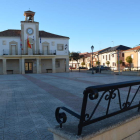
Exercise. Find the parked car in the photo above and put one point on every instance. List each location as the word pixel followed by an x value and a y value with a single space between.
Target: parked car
pixel 101 68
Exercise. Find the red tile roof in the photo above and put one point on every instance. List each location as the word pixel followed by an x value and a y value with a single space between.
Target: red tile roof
pixel 10 32
pixel 135 48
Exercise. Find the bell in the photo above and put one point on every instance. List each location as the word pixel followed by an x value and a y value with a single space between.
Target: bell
pixel 30 18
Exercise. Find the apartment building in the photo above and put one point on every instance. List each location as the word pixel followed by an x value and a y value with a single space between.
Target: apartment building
pixel 111 55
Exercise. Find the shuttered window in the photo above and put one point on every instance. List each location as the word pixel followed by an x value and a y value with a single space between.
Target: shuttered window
pixel 60 47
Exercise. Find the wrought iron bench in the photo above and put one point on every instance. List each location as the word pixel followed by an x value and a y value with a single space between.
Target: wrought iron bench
pixel 108 92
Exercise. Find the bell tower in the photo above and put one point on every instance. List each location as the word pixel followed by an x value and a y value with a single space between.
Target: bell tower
pixel 29 16
pixel 30 29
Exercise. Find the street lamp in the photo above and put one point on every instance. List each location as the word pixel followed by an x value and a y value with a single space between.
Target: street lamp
pixel 92 47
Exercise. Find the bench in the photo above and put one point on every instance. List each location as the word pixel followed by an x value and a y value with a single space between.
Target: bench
pixel 9 71
pixel 48 70
pixel 107 92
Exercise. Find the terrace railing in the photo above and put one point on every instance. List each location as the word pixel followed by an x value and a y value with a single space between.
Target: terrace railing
pixel 47 52
pixel 107 92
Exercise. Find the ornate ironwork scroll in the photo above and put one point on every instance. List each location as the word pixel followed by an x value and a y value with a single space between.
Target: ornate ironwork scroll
pixel 109 92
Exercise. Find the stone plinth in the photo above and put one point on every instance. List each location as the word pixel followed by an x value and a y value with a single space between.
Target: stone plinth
pixel 120 127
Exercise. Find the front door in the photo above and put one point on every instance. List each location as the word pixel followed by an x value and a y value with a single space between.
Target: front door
pixel 28 67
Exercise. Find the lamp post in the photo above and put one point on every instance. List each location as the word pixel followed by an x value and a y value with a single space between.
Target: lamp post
pixel 92 47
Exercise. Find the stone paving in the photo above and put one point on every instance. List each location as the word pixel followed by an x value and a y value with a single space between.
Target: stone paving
pixel 28 102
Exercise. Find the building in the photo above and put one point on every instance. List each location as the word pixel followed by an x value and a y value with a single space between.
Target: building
pixel 111 54
pixel 135 55
pixel 83 57
pixel 48 53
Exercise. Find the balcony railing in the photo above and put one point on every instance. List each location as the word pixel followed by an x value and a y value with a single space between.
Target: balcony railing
pixel 48 52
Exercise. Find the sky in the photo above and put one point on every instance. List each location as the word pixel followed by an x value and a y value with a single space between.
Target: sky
pixel 101 23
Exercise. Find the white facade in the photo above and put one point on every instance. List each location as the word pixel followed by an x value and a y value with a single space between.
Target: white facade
pixel 111 57
pixel 48 52
pixel 4 44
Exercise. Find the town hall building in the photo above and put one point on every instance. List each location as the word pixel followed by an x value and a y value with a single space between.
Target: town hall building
pixel 48 53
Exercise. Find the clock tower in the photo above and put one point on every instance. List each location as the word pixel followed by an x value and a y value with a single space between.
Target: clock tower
pixel 30 29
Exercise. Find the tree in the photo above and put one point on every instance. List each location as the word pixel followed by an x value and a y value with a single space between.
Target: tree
pixel 97 62
pixel 107 62
pixel 83 63
pixel 120 62
pixel 129 60
pixel 74 56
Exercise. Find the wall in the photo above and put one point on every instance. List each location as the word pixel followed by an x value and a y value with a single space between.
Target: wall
pixel 54 46
pixel 46 64
pixel 49 40
pixel 112 59
pixel 138 59
pixel 135 58
pixel 6 47
pixel 62 67
pixel 13 64
pixel 33 26
pixel 129 130
pixel 1 67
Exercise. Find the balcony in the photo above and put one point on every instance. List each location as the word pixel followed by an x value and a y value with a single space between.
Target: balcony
pixel 30 52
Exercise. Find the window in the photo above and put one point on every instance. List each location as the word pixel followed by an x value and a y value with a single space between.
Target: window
pixel 132 56
pixel 3 42
pixel 103 56
pixel 53 43
pixel 103 64
pixel 112 63
pixel 115 64
pixel 60 47
pixel 109 56
pixel 57 64
pixel 123 63
pixel 13 47
pixel 106 57
pixel 45 48
pixel 112 55
pixel 122 54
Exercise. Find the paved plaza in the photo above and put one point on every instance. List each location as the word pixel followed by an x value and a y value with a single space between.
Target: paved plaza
pixel 28 102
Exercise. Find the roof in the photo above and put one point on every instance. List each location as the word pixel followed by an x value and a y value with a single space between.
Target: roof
pixel 29 11
pixel 10 32
pixel 50 35
pixel 135 48
pixel 119 47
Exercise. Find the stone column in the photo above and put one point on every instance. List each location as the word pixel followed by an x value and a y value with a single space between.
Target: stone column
pixel 20 70
pixel 23 66
pixel 4 66
pixel 53 65
pixel 38 64
pixel 67 64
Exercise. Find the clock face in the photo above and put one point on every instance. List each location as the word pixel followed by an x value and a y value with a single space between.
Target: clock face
pixel 29 31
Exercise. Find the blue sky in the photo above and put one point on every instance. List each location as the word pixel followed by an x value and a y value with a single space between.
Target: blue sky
pixel 86 22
